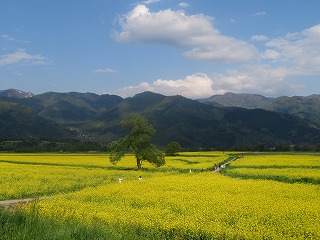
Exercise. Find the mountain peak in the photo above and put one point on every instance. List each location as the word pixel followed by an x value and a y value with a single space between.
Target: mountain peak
pixel 15 93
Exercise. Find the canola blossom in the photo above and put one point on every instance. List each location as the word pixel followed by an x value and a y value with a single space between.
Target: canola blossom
pixel 19 181
pixel 287 168
pixel 283 174
pixel 170 202
pixel 190 206
pixel 279 160
pixel 85 160
pixel 36 175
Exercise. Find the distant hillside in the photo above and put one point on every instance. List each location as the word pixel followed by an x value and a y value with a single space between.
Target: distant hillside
pixel 68 108
pixel 75 107
pixel 192 123
pixel 307 107
pixel 18 121
pixel 175 118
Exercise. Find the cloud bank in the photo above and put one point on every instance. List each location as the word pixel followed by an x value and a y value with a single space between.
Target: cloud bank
pixel 276 62
pixel 193 86
pixel 22 57
pixel 260 79
pixel 298 51
pixel 194 32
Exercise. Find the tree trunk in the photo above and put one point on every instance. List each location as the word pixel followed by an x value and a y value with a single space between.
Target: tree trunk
pixel 138 163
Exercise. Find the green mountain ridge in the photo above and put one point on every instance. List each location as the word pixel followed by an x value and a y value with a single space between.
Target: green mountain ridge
pixel 18 121
pixel 66 108
pixel 192 123
pixel 307 107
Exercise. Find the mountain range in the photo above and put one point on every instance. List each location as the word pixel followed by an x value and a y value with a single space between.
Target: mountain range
pixel 307 107
pixel 219 121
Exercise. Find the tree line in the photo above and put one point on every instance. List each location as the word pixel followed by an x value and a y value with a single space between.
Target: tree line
pixel 137 141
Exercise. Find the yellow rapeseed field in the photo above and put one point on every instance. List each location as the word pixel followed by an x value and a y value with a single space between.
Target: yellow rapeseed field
pixel 280 160
pixel 35 175
pixel 195 205
pixel 290 167
pixel 289 173
pixel 170 202
pixel 87 160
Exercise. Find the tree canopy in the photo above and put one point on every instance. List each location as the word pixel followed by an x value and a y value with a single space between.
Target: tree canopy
pixel 138 141
pixel 172 148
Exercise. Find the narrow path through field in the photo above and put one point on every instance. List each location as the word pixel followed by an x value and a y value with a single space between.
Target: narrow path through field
pixel 226 164
pixel 10 204
pixel 17 202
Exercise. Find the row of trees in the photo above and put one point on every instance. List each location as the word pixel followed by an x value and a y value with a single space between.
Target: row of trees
pixel 137 141
pixel 49 145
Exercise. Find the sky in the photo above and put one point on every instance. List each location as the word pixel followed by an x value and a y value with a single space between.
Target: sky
pixel 193 48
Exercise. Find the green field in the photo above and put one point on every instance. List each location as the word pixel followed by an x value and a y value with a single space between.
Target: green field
pixel 256 197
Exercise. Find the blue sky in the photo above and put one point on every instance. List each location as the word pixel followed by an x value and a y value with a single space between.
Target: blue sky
pixel 194 48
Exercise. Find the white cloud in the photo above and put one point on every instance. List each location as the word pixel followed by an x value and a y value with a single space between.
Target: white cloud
pixel 286 57
pixel 231 51
pixel 184 4
pixel 7 37
pixel 259 38
pixel 150 1
pixel 105 70
pixel 20 56
pixel 281 59
pixel 271 54
pixel 299 51
pixel 10 38
pixel 142 26
pixel 258 14
pixel 195 31
pixel 193 86
pixel 261 79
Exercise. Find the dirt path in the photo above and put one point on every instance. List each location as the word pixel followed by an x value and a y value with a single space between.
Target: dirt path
pixel 10 204
pixel 226 164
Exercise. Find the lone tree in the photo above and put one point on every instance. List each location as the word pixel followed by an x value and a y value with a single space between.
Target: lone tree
pixel 137 141
pixel 173 148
